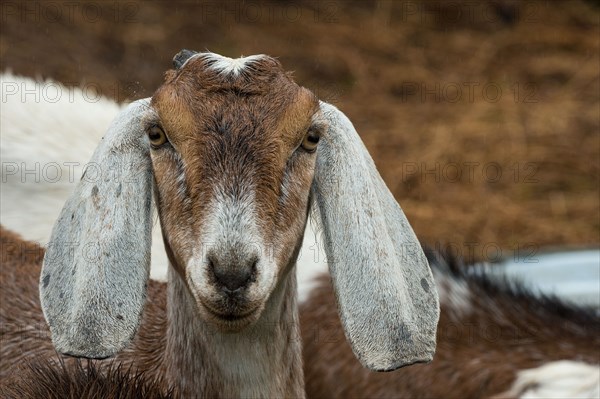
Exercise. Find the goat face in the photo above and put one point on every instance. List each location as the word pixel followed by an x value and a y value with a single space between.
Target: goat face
pixel 233 153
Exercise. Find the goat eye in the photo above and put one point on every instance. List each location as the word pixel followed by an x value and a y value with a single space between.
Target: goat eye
pixel 157 136
pixel 310 141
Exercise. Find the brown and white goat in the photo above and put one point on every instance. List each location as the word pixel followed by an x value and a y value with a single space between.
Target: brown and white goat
pixel 495 338
pixel 234 154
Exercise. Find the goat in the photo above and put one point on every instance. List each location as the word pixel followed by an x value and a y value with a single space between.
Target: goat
pixel 236 155
pixel 495 338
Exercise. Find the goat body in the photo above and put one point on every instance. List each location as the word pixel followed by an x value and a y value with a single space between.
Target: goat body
pixel 490 333
pixel 493 339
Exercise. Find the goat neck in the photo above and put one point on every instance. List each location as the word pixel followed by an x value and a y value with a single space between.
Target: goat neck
pixel 261 361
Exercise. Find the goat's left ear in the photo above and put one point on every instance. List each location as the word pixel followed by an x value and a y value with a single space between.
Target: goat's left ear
pixel 386 296
pixel 95 271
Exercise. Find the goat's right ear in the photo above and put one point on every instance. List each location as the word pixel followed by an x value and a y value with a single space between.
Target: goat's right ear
pixel 95 271
pixel 385 291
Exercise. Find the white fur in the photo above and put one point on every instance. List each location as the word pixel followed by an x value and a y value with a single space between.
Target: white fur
pixel 227 65
pixel 560 379
pixel 36 131
pixel 312 260
pixel 38 134
pixel 231 223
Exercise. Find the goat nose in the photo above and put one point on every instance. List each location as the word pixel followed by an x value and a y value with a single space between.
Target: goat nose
pixel 232 277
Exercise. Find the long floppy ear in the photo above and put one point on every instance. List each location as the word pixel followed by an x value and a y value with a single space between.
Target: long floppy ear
pixel 95 271
pixel 385 291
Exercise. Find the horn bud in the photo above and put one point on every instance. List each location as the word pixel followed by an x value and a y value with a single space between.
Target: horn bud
pixel 182 56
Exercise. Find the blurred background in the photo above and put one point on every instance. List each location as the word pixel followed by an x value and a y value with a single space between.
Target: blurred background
pixel 482 117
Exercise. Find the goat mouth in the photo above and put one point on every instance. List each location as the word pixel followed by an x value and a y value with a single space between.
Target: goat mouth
pixel 229 316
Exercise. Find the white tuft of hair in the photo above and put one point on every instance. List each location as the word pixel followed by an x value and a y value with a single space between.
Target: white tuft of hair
pixel 560 379
pixel 226 65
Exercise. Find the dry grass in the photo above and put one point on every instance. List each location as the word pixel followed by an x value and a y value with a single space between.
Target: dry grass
pixel 394 67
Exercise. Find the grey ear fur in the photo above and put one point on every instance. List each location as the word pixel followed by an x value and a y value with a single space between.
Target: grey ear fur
pixel 96 267
pixel 384 287
pixel 181 57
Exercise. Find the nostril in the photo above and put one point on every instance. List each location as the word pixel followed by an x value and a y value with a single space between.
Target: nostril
pixel 233 278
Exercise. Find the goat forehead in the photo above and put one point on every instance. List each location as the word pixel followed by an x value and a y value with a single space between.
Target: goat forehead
pixel 205 96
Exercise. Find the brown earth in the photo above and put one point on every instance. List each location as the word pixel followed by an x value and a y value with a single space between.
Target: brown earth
pixel 483 118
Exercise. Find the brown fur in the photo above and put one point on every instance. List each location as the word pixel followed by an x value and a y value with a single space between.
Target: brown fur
pixel 477 354
pixel 44 379
pixel 23 329
pixel 233 130
pixel 25 335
